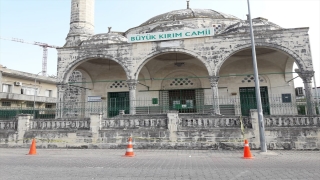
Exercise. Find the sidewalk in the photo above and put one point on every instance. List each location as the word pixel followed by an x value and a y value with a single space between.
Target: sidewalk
pixel 157 164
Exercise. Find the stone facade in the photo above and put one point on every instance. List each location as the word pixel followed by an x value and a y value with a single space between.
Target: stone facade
pixel 171 131
pixel 221 62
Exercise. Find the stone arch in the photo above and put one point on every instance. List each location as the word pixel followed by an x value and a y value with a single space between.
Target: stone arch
pixel 87 77
pixel 288 67
pixel 147 58
pixel 147 76
pixel 296 57
pixel 73 95
pixel 70 68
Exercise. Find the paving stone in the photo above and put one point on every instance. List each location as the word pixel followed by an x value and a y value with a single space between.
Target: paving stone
pixel 157 164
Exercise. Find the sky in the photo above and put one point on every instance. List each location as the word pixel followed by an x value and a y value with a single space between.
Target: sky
pixel 48 21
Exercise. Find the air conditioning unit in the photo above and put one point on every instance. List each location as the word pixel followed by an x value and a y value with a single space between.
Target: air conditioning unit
pixel 18 83
pixel 299 91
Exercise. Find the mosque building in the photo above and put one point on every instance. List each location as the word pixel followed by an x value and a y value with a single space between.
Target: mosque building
pixel 189 60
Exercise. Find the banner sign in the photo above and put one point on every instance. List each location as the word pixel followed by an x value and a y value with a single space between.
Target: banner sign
pixel 169 35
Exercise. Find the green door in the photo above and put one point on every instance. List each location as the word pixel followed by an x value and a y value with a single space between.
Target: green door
pixel 183 100
pixel 118 101
pixel 248 100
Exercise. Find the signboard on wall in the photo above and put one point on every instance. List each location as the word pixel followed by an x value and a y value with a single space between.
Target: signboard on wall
pixel 169 35
pixel 94 98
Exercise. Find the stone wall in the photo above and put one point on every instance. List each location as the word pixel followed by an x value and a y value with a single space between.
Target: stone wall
pixel 211 51
pixel 168 131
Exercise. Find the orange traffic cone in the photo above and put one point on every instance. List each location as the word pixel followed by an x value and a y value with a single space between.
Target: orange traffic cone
pixel 247 153
pixel 129 152
pixel 33 150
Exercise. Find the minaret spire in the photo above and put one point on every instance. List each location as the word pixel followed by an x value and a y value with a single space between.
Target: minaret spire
pixel 81 21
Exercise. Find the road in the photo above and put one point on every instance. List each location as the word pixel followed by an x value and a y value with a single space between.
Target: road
pixel 84 164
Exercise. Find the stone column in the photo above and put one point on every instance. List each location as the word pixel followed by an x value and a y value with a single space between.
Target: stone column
pixel 173 123
pixel 306 77
pixel 255 128
pixel 214 86
pixel 132 83
pixel 60 100
pixel 23 126
pixel 83 98
pixel 95 126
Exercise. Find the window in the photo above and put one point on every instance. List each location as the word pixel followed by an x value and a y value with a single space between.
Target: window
pixel 286 98
pixel 49 105
pixel 6 88
pixel 29 91
pixel 299 91
pixel 6 103
pixel 48 93
pixel 29 104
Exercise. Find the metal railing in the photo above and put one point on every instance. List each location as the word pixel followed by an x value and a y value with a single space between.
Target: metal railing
pixel 236 106
pixel 7 113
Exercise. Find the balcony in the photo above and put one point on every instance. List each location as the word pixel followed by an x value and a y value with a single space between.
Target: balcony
pixel 23 97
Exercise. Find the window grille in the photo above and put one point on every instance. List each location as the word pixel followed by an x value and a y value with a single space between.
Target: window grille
pixel 48 106
pixel 30 104
pixel 6 103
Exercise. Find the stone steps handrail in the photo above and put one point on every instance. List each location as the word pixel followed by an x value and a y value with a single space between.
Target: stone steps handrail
pixel 8 124
pixel 38 124
pixel 134 123
pixel 215 122
pixel 291 121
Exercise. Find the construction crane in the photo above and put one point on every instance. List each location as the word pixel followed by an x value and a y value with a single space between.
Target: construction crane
pixel 45 47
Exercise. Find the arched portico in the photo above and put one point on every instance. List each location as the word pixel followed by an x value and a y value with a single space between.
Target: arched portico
pixel 154 54
pixel 273 61
pixel 98 72
pixel 177 76
pixel 74 64
pixel 301 64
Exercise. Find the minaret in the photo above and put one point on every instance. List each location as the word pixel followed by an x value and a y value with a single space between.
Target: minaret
pixel 81 21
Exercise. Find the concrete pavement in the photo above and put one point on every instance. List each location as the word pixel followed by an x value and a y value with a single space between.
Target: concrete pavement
pixel 83 164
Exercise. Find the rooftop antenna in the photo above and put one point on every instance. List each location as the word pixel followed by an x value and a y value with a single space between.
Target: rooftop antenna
pixel 188 4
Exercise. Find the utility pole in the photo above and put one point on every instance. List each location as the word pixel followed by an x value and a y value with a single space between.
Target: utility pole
pixel 257 84
pixel 34 96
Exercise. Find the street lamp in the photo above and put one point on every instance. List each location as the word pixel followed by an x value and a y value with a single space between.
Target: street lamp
pixel 34 94
pixel 257 87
